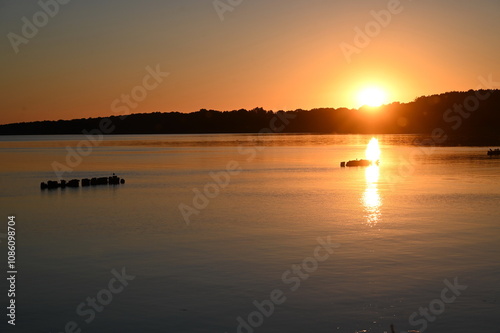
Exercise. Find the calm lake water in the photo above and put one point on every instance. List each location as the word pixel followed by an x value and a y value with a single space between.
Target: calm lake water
pixel 422 217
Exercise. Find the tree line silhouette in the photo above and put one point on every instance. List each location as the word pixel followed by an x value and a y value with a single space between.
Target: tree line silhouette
pixel 473 114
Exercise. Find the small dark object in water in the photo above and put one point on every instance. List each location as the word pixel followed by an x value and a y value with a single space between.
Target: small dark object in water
pixel 63 183
pixel 102 181
pixel 73 183
pixel 85 182
pixel 52 184
pixel 493 152
pixel 114 180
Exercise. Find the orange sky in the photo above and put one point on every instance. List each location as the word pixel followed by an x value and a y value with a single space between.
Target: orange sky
pixel 274 54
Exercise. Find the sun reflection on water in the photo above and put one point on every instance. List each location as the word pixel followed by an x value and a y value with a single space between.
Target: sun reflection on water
pixel 371 197
pixel 373 150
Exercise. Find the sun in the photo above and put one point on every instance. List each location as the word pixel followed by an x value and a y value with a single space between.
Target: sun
pixel 372 97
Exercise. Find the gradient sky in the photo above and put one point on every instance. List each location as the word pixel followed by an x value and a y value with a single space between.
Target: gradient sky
pixel 276 54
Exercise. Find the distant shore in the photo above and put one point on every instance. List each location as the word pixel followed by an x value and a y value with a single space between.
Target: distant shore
pixel 453 118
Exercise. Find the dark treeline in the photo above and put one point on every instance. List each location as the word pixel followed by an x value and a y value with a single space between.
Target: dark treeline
pixel 470 113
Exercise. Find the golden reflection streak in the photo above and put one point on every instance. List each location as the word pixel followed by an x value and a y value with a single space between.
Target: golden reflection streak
pixel 371 197
pixel 373 150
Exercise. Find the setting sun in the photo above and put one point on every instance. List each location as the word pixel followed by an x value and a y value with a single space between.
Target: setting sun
pixel 372 97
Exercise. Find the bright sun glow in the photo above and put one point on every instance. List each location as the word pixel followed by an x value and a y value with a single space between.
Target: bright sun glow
pixel 373 150
pixel 372 97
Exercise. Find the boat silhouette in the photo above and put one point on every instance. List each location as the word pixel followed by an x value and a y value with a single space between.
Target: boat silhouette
pixel 358 163
pixel 494 152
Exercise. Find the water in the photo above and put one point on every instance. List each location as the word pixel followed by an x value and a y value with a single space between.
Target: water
pixel 422 217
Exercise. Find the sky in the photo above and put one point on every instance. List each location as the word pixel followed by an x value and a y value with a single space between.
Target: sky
pixel 100 58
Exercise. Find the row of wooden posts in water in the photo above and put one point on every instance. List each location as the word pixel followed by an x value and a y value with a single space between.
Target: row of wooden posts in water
pixel 112 180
